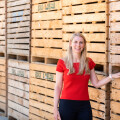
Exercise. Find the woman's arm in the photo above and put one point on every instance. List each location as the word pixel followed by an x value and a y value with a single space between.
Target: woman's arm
pixel 98 83
pixel 57 92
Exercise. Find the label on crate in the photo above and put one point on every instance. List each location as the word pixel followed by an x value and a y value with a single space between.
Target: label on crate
pixel 18 73
pixel 18 16
pixel 44 75
pixel 46 6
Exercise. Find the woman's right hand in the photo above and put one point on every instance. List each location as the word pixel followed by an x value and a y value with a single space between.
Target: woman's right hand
pixel 56 114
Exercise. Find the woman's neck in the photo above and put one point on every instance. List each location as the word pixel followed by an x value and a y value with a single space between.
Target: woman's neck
pixel 76 57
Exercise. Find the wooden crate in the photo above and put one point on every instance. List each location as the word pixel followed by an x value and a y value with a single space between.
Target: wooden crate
pixel 46 29
pixel 18 27
pixel 42 82
pixel 90 18
pixel 18 89
pixel 114 57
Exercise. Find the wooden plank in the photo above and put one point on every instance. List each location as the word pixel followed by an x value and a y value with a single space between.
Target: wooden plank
pixel 2 99
pixel 18 72
pixel 114 5
pixel 18 41
pixel 19 35
pixel 116 83
pixel 41 98
pixel 2 3
pixel 47 33
pixel 18 8
pixel 18 52
pixel 85 27
pixel 89 37
pixel 114 16
pixel 40 1
pixel 47 15
pixel 97 94
pixel 47 24
pixel 16 30
pixel 2 37
pixel 18 13
pixel 47 42
pixel 17 114
pixel 34 117
pixel 2 10
pixel 19 19
pixel 97 106
pixel 2 24
pixel 2 79
pixel 21 24
pixel 2 61
pixel 115 107
pixel 41 90
pixel 18 100
pixel 115 38
pixel 18 46
pixel 115 95
pixel 42 75
pixel 2 43
pixel 72 2
pixel 3 86
pixel 115 26
pixel 39 113
pixel 47 52
pixel 19 85
pixel 3 93
pixel 55 5
pixel 41 106
pixel 18 2
pixel 115 49
pixel 18 64
pixel 114 116
pixel 18 92
pixel 43 83
pixel 2 68
pixel 2 73
pixel 84 18
pixel 98 114
pixel 2 17
pixel 17 78
pixel 115 59
pixel 98 58
pixel 2 31
pixel 43 67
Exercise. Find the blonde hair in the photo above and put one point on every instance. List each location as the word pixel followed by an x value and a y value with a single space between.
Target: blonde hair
pixel 68 59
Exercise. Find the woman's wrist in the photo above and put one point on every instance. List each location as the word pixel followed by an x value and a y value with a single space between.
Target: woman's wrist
pixel 110 76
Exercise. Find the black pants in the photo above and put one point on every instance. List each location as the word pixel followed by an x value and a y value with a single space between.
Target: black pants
pixel 75 110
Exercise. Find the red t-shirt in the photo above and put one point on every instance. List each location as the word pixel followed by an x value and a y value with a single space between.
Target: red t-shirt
pixel 75 87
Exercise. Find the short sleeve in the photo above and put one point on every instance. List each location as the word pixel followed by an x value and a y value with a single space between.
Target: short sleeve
pixel 59 66
pixel 91 64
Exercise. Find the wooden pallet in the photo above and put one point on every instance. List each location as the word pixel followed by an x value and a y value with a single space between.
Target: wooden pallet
pixel 42 82
pixel 18 30
pixel 46 29
pixel 18 89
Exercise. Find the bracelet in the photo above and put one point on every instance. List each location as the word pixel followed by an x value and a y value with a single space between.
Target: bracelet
pixel 110 76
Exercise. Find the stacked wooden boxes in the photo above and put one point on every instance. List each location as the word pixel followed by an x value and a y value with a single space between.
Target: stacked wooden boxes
pixel 114 61
pixel 46 49
pixel 90 18
pixel 2 58
pixel 18 40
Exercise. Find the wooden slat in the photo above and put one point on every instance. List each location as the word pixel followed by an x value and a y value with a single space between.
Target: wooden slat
pixel 115 49
pixel 18 41
pixel 84 8
pixel 18 46
pixel 115 26
pixel 2 3
pixel 115 95
pixel 116 83
pixel 114 116
pixel 115 107
pixel 98 114
pixel 47 15
pixel 115 38
pixel 2 24
pixel 47 52
pixel 84 18
pixel 114 16
pixel 115 59
pixel 85 27
pixel 47 33
pixel 47 42
pixel 115 6
pixel 47 24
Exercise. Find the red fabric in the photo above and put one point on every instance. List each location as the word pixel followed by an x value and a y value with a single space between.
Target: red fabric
pixel 75 87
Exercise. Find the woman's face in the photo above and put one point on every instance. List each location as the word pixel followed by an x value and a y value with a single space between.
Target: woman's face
pixel 77 44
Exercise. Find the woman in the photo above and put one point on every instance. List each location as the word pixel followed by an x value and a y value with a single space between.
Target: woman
pixel 72 76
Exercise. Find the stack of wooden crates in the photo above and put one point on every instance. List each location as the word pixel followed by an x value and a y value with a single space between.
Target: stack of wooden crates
pixel 46 49
pixel 114 57
pixel 37 39
pixel 2 58
pixel 18 42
